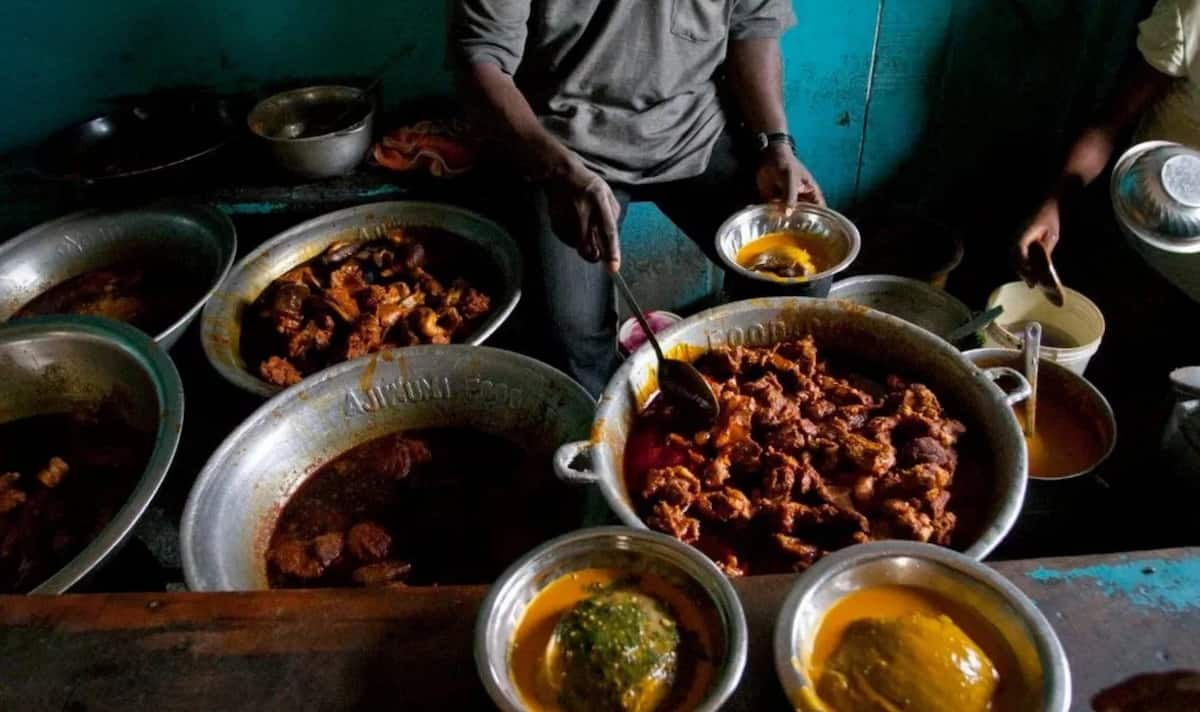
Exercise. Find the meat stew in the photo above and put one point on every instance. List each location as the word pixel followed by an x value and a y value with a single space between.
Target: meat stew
pixel 436 506
pixel 414 286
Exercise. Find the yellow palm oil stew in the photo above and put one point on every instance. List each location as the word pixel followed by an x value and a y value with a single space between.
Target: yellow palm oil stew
pixel 788 254
pixel 1066 439
pixel 596 640
pixel 892 647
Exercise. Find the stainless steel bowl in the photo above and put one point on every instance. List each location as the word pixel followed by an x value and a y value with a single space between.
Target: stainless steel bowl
pixel 1084 397
pixel 971 393
pixel 608 547
pixel 302 131
pixel 1035 646
pixel 54 364
pixel 916 302
pixel 221 325
pixel 239 494
pixel 199 237
pixel 752 223
pixel 1155 189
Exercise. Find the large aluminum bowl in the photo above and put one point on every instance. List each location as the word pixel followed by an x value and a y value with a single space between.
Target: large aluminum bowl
pixel 1038 652
pixel 221 324
pixel 604 547
pixel 892 342
pixel 198 236
pixel 55 364
pixel 239 494
pixel 316 132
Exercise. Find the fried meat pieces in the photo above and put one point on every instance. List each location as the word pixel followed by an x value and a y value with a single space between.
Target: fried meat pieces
pixel 802 461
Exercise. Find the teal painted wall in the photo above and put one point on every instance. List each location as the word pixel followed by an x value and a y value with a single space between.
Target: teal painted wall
pixel 934 101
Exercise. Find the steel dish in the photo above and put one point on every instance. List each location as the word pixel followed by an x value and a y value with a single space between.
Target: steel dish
pixel 615 547
pixel 1034 643
pixel 748 225
pixel 241 490
pixel 51 364
pixel 913 301
pixel 199 236
pixel 221 325
pixel 909 349
pixel 316 132
pixel 1155 191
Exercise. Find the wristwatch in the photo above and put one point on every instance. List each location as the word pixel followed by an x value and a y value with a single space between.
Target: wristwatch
pixel 767 139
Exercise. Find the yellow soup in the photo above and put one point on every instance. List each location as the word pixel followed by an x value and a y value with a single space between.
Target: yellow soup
pixel 788 254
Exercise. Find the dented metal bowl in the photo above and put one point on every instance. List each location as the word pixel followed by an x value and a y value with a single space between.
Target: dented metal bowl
pixel 239 494
pixel 56 364
pixel 198 237
pixel 606 547
pixel 1041 661
pixel 889 341
pixel 221 324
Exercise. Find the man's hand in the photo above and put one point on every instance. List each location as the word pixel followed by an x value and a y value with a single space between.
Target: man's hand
pixel 783 178
pixel 1043 230
pixel 584 214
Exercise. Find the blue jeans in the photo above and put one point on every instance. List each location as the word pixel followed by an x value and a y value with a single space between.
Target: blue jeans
pixel 579 295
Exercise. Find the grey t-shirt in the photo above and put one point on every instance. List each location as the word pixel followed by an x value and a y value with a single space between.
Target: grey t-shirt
pixel 627 84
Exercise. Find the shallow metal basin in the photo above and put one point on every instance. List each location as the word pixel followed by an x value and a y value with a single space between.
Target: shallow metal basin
pixel 221 325
pixel 1041 661
pixel 239 494
pixel 197 237
pixel 315 132
pixel 54 364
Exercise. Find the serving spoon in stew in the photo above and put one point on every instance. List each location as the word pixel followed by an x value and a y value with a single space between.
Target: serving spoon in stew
pixel 678 381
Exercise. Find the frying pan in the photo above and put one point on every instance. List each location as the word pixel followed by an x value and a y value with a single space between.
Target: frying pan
pixel 148 137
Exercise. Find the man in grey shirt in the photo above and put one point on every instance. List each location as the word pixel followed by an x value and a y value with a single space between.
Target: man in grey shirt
pixel 600 102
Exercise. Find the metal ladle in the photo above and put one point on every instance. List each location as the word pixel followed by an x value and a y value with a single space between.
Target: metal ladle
pixel 678 381
pixel 1031 351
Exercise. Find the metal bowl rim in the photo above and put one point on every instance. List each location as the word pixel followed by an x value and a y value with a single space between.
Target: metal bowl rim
pixel 227 230
pixel 168 387
pixel 243 379
pixel 736 631
pixel 988 540
pixel 1163 241
pixel 1055 666
pixel 853 238
pixel 353 128
pixel 286 400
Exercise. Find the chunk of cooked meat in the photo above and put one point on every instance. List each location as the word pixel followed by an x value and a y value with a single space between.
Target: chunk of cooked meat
pixel 676 486
pixel 734 422
pixel 393 456
pixel 381 573
pixel 926 450
pixel 316 334
pixel 474 304
pixel 669 519
pixel 906 520
pixel 53 473
pixel 10 496
pixel 369 542
pixel 867 454
pixel 279 371
pixel 366 337
pixel 727 505
pixel 327 547
pixel 287 306
pixel 803 555
pixel 294 558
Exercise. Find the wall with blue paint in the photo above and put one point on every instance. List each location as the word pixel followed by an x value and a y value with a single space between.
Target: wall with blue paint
pixel 935 101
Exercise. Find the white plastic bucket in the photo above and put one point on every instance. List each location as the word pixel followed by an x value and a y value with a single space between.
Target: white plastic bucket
pixel 1079 318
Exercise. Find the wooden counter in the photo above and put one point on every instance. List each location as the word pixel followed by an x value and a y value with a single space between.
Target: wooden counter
pixel 1117 615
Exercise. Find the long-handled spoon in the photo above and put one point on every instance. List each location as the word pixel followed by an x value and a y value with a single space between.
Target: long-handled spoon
pixel 1031 350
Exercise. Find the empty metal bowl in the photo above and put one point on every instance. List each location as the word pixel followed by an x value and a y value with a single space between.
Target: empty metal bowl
pixel 56 364
pixel 916 302
pixel 1155 192
pixel 1038 653
pixel 221 325
pixel 605 547
pixel 318 131
pixel 751 224
pixel 199 238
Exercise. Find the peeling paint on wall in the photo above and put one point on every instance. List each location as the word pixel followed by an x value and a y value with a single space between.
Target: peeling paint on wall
pixel 1161 584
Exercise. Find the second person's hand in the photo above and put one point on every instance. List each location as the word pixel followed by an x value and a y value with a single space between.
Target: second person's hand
pixel 584 213
pixel 1042 230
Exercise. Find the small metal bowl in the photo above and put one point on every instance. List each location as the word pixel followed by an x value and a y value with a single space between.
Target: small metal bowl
pixel 748 225
pixel 316 132
pixel 198 237
pixel 608 547
pixel 949 574
pixel 55 364
pixel 916 302
pixel 221 324
pixel 1155 192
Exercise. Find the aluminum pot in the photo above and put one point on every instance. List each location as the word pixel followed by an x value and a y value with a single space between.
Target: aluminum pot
pixel 1041 661
pixel 900 346
pixel 316 132
pixel 198 237
pixel 917 302
pixel 221 325
pixel 239 494
pixel 55 364
pixel 605 547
